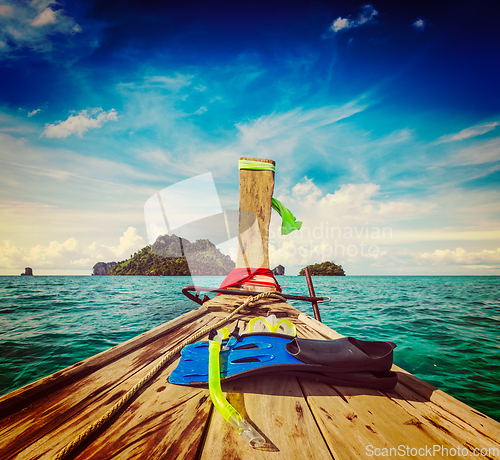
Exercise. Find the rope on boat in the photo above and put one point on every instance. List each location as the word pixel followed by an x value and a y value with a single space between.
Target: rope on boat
pixel 164 360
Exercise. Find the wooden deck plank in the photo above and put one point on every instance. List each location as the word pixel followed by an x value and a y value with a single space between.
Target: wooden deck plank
pixel 263 307
pixel 451 427
pixel 165 421
pixel 276 407
pixel 49 445
pixel 356 421
pixel 481 422
pixel 66 406
pixel 340 397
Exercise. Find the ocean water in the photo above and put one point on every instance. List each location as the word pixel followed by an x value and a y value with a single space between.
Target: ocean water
pixel 446 329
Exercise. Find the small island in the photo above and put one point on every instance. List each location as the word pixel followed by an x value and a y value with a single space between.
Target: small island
pixel 162 259
pixel 28 271
pixel 279 270
pixel 102 268
pixel 324 269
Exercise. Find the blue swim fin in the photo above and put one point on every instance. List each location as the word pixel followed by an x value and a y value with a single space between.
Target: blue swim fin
pixel 346 361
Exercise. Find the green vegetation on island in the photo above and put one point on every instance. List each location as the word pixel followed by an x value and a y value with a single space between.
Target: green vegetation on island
pixel 324 269
pixel 161 259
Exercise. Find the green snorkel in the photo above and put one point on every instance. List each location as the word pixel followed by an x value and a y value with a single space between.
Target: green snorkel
pixel 222 405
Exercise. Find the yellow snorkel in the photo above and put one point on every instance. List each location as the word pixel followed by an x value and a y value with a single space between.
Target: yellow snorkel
pixel 222 405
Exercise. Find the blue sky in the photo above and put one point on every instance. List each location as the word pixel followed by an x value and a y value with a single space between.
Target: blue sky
pixel 383 118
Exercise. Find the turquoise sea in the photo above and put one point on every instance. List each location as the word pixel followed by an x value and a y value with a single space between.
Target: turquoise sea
pixel 447 328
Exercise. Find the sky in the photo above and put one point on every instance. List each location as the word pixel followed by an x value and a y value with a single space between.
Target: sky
pixel 383 119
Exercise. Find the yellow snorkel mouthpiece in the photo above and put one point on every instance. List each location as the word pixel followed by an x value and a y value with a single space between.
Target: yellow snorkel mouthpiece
pixel 272 324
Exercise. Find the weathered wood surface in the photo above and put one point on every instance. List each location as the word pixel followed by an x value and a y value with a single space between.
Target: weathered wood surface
pixel 50 422
pixel 298 417
pixel 256 192
pixel 276 407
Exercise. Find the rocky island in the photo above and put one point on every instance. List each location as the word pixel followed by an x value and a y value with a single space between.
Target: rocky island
pixel 27 272
pixel 162 259
pixel 102 268
pixel 279 270
pixel 324 269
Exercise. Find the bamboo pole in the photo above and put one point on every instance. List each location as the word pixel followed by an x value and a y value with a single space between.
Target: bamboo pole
pixel 314 303
pixel 256 191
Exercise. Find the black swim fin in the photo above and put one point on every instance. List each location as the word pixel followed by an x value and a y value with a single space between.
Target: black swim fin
pixel 346 354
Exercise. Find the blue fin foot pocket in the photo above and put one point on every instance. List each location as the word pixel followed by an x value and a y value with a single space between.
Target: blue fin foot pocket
pixel 345 362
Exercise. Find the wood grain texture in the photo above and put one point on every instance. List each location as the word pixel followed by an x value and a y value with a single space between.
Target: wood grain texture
pixel 276 407
pixel 164 421
pixel 452 428
pixel 256 192
pixel 481 422
pixel 72 407
pixel 352 420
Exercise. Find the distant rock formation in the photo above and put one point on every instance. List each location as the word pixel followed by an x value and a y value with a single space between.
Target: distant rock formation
pixel 324 269
pixel 27 272
pixel 162 259
pixel 102 268
pixel 279 270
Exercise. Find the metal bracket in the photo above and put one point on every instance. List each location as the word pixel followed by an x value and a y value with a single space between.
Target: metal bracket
pixel 198 289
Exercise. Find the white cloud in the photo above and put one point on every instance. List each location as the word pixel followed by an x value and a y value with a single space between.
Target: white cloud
pixel 366 16
pixel 34 112
pixel 460 256
pixel 457 261
pixel 342 224
pixel 275 135
pixel 6 10
pixel 362 228
pixel 290 124
pixel 359 203
pixel 47 16
pixel 487 152
pixel 467 133
pixel 306 192
pixel 130 242
pixel 174 83
pixel 44 256
pixel 419 24
pixel 11 256
pixel 201 110
pixel 31 24
pixel 68 254
pixel 81 123
pixel 157 157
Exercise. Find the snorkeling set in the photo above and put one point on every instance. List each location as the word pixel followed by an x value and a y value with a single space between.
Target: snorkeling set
pixel 271 345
